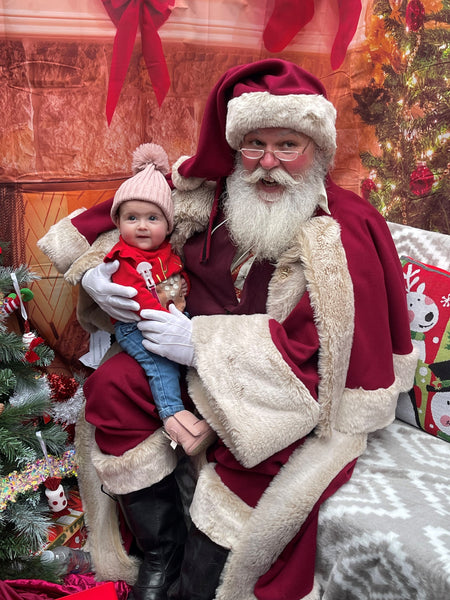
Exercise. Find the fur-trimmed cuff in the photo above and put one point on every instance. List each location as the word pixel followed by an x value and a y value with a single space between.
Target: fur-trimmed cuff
pixel 90 316
pixel 246 390
pixel 363 411
pixel 63 243
pixel 138 468
pixel 92 257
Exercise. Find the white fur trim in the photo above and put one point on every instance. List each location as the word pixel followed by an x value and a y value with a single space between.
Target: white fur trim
pixel 184 184
pixel 311 114
pixel 192 211
pixel 314 594
pixel 330 289
pixel 90 316
pixel 368 410
pixel 110 560
pixel 251 397
pixel 93 256
pixel 63 243
pixel 323 199
pixel 216 510
pixel 138 468
pixel 294 492
pixel 254 401
pixel 287 285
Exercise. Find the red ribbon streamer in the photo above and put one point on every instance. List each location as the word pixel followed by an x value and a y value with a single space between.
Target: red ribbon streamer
pixel 127 15
pixel 290 16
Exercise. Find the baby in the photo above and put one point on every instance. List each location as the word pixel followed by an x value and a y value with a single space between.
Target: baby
pixel 143 212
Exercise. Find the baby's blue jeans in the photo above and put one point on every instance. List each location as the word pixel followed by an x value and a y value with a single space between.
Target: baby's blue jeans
pixel 163 374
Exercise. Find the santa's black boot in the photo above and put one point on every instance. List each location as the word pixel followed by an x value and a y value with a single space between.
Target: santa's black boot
pixel 155 518
pixel 203 563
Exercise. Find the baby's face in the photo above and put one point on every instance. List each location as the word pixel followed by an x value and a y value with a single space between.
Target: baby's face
pixel 142 224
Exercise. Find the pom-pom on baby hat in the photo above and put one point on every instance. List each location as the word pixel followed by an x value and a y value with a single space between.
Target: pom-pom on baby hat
pixel 150 165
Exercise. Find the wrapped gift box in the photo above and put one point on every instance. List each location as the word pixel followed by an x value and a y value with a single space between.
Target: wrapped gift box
pixel 70 529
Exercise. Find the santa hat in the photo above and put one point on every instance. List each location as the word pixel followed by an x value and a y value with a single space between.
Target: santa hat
pixel 150 165
pixel 267 93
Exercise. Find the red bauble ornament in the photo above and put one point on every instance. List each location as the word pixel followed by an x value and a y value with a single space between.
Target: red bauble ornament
pixel 367 186
pixel 62 387
pixel 415 15
pixel 421 180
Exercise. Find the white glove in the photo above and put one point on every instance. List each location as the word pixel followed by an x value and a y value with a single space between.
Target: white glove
pixel 168 334
pixel 112 298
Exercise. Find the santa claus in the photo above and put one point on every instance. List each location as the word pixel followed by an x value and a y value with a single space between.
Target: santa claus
pixel 297 347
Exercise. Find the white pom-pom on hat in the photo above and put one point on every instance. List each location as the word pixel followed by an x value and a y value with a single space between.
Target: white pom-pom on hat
pixel 184 184
pixel 150 164
pixel 147 154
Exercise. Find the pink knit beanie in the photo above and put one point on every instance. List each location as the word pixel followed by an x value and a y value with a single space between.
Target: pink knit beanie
pixel 150 165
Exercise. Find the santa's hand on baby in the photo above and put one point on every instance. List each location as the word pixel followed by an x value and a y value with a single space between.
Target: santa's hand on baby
pixel 168 334
pixel 114 299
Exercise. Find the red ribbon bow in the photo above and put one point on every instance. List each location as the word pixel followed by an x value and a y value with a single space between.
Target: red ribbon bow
pixel 127 15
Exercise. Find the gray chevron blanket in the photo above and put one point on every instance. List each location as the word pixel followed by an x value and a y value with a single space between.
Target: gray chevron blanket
pixel 385 535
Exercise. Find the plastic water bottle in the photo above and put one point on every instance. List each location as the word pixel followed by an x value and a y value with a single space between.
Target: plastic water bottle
pixel 70 560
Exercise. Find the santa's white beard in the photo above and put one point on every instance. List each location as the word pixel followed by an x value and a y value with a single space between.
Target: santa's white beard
pixel 267 223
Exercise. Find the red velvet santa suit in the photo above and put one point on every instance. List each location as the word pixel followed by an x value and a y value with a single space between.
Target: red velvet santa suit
pixel 292 378
pixel 126 420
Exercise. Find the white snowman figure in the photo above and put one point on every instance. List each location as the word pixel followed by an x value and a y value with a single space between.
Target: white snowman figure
pixel 440 402
pixel 440 411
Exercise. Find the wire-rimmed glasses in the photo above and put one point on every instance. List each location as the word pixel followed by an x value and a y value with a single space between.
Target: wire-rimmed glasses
pixel 283 155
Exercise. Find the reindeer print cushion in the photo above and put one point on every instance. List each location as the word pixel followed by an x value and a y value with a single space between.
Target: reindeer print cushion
pixel 427 404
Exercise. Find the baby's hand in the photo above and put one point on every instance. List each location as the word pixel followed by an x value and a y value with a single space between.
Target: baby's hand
pixel 184 286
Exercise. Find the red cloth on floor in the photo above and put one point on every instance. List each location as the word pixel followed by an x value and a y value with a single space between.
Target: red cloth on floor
pixel 35 589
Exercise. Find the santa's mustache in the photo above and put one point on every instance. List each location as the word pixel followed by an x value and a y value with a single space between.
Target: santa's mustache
pixel 277 174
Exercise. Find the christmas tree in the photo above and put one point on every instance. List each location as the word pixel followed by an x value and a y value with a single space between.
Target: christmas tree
pixel 32 445
pixel 408 103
